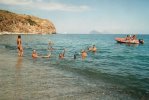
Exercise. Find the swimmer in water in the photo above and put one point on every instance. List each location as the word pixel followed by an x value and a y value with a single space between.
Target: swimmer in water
pixel 35 55
pixel 75 55
pixel 94 49
pixel 62 54
pixel 83 54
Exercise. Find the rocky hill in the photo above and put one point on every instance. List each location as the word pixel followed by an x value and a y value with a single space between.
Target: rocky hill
pixel 18 23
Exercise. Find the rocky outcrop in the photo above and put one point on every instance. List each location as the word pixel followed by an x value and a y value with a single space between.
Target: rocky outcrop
pixel 18 23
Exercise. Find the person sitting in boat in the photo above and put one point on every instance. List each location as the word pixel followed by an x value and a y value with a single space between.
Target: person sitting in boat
pixel 134 37
pixel 128 37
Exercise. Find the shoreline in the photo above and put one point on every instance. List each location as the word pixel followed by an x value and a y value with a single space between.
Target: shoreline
pixel 16 33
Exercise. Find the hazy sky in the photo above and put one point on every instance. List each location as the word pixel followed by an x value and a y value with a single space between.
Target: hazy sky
pixel 83 16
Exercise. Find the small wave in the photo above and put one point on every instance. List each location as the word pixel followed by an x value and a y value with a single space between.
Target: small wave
pixel 10 47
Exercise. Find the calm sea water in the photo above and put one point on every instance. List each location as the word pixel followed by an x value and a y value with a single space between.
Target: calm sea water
pixel 115 72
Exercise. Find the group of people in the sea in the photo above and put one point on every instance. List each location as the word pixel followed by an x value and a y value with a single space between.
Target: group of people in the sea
pixel 61 55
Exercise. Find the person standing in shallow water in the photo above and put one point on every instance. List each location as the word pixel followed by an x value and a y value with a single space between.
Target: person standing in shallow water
pixel 83 54
pixel 62 54
pixel 19 46
pixel 94 49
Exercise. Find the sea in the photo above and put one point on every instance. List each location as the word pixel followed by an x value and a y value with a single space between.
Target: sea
pixel 115 72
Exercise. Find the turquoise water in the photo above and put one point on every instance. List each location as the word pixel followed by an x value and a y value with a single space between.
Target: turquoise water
pixel 119 71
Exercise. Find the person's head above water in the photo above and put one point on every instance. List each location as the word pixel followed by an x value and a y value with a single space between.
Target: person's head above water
pixel 34 54
pixel 83 51
pixel 19 36
pixel 34 51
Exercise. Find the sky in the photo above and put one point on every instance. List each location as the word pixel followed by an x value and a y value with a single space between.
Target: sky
pixel 84 16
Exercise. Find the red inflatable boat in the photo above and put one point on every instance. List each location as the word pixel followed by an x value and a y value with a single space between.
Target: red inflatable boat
pixel 123 40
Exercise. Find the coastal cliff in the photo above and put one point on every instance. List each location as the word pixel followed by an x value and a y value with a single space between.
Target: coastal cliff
pixel 21 23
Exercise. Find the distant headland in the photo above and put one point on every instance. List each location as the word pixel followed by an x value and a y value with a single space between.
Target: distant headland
pixel 20 23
